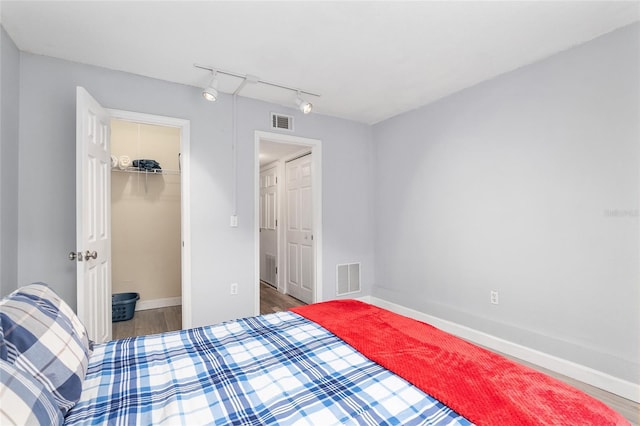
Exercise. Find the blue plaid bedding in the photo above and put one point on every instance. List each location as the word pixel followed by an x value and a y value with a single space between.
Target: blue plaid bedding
pixel 273 369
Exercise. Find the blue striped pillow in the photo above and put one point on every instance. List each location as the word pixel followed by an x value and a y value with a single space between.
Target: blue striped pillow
pixel 25 401
pixel 44 338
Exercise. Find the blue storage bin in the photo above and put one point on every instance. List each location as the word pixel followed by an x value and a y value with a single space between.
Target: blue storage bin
pixel 123 305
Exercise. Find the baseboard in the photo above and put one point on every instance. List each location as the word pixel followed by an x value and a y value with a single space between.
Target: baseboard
pixel 579 372
pixel 143 305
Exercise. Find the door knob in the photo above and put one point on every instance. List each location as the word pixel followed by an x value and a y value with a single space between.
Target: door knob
pixel 73 256
pixel 90 255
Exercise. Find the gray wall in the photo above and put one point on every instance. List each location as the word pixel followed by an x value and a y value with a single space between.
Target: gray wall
pixel 220 254
pixel 9 101
pixel 526 184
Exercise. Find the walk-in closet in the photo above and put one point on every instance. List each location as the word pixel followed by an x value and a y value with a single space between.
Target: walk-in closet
pixel 145 213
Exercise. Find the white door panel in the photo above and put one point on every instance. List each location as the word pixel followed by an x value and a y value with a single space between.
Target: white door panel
pixel 306 210
pixel 292 276
pixel 271 211
pixel 93 233
pixel 305 174
pixel 292 207
pixel 301 250
pixel 306 266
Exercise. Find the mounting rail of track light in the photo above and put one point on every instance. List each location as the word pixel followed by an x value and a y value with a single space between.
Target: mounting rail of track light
pixel 210 92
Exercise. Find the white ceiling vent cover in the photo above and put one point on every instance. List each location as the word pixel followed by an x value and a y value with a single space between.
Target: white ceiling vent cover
pixel 347 278
pixel 281 122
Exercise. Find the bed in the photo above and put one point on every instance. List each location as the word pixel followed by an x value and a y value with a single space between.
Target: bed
pixel 338 362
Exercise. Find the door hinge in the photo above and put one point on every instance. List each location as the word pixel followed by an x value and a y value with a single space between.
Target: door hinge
pixel 276 222
pixel 276 270
pixel 276 180
pixel 311 237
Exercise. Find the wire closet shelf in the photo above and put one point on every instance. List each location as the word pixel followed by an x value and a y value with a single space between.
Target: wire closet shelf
pixel 146 171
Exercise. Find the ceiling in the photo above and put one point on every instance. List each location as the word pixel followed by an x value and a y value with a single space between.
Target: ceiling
pixel 368 60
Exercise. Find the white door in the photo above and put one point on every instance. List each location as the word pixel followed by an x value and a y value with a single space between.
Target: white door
pixel 268 224
pixel 300 251
pixel 93 227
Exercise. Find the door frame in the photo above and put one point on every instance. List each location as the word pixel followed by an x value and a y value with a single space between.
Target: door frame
pixel 185 202
pixel 315 145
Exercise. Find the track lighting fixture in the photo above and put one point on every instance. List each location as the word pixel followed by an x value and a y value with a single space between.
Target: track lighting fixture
pixel 303 105
pixel 210 92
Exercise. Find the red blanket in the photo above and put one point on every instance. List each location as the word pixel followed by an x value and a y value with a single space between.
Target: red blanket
pixel 484 387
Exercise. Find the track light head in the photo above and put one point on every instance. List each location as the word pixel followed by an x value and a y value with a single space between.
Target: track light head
pixel 303 105
pixel 210 92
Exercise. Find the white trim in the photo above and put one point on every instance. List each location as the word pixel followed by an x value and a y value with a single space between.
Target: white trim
pixel 143 305
pixel 185 190
pixel 280 229
pixel 316 183
pixel 140 117
pixel 280 233
pixel 579 372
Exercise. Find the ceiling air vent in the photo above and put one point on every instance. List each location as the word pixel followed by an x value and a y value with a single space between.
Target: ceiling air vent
pixel 281 122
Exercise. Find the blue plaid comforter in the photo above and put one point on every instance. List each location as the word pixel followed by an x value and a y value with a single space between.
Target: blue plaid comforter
pixel 273 369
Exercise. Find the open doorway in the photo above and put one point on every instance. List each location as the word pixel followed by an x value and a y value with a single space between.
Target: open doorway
pixel 288 228
pixel 148 221
pixel 93 211
pixel 145 225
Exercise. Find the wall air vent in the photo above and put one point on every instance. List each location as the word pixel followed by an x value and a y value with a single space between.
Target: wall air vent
pixel 281 122
pixel 347 278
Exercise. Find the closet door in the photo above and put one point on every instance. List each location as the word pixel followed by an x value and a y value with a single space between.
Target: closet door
pixel 93 211
pixel 300 249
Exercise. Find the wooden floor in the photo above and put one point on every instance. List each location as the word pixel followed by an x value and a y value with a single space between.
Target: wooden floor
pixel 150 321
pixel 629 409
pixel 271 300
pixel 168 319
pixel 153 321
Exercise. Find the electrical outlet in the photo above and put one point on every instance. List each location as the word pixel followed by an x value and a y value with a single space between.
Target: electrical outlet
pixel 234 288
pixel 234 221
pixel 494 297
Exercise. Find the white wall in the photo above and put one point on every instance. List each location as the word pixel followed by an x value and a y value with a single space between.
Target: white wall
pixel 9 101
pixel 527 184
pixel 220 254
